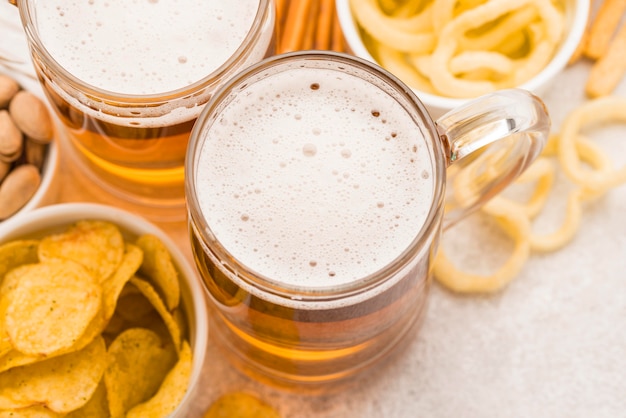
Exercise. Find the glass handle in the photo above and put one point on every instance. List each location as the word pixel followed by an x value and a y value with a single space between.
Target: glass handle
pixel 489 142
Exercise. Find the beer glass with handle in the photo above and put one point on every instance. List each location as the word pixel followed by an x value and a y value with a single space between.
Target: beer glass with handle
pixel 316 186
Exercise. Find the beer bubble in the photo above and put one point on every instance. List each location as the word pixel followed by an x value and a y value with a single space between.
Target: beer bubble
pixel 425 174
pixel 182 59
pixel 375 113
pixel 315 86
pixel 346 153
pixel 309 150
pixel 312 263
pixel 380 204
pixel 245 217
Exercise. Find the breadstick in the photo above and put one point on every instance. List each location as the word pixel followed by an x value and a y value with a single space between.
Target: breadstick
pixel 606 73
pixel 308 40
pixel 281 12
pixel 603 27
pixel 295 25
pixel 325 24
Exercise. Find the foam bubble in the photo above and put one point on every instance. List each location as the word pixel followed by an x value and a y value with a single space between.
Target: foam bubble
pixel 331 211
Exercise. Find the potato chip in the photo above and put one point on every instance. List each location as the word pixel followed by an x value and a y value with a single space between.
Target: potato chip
pixel 158 267
pixel 30 412
pixel 96 407
pixel 5 342
pixel 171 391
pixel 51 306
pixel 241 405
pixel 16 253
pixel 138 361
pixel 62 384
pixel 98 245
pixel 112 287
pixel 133 305
pixel 148 291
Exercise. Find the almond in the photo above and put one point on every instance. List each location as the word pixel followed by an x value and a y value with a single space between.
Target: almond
pixel 8 89
pixel 17 189
pixel 11 141
pixel 31 116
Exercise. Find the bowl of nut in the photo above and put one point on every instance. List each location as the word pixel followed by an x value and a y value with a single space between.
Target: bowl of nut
pixel 451 51
pixel 100 315
pixel 28 152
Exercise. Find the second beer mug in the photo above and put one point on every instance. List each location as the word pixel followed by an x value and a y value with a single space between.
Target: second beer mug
pixel 316 189
pixel 128 80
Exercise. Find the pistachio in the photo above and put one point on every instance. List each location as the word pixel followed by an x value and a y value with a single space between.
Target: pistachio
pixel 31 116
pixel 34 152
pixel 11 142
pixel 4 170
pixel 17 189
pixel 8 89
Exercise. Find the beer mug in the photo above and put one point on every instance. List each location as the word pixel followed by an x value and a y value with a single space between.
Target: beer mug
pixel 128 80
pixel 316 186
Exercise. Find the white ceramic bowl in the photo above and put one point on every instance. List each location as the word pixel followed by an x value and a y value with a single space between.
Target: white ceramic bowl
pixel 58 216
pixel 576 12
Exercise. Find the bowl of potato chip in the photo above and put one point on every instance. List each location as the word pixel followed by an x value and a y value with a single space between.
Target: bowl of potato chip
pixel 450 51
pixel 100 315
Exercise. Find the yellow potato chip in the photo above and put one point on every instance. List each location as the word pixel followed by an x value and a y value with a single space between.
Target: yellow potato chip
pixel 62 384
pixel 51 306
pixel 5 341
pixel 30 412
pixel 158 267
pixel 16 253
pixel 112 287
pixel 96 407
pixel 148 291
pixel 241 405
pixel 171 391
pixel 138 361
pixel 133 306
pixel 98 245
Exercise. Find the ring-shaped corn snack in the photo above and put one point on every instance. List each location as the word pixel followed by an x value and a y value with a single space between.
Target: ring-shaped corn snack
pixel 601 110
pixel 517 225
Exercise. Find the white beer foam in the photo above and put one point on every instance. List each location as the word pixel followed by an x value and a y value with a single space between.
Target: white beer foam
pixel 314 178
pixel 143 46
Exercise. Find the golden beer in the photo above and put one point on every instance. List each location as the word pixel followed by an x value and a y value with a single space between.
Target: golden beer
pixel 311 183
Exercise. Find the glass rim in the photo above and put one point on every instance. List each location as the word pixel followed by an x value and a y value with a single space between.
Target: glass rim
pixel 35 42
pixel 224 259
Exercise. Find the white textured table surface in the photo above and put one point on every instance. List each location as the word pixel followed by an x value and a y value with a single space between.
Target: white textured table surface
pixel 552 344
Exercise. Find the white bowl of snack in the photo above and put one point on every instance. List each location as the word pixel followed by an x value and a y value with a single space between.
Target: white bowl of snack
pixel 100 313
pixel 449 52
pixel 28 151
